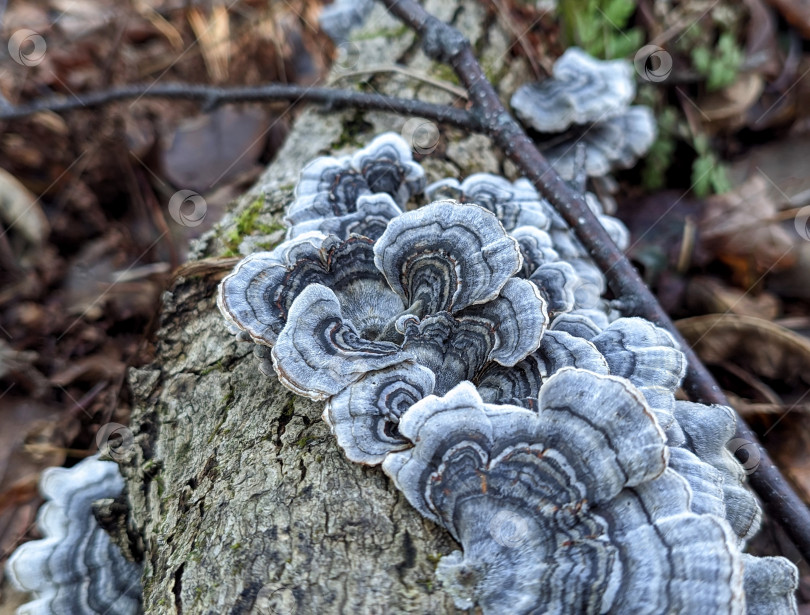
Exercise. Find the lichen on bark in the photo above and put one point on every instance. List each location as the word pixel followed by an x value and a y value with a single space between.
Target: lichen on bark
pixel 243 499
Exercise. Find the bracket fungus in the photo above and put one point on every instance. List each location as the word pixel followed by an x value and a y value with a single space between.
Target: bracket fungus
pixel 514 203
pixel 446 257
pixel 568 509
pixel 76 568
pixel 610 144
pixel 330 187
pixel 467 346
pixel 369 218
pixel 258 295
pixel 319 352
pixel 580 90
pixel 364 416
pixel 521 384
pixel 437 289
pixel 707 430
pixel 649 357
pixel 543 236
pixel 585 104
pixel 456 347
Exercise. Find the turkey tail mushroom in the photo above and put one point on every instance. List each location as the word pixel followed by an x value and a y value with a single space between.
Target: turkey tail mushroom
pixel 330 187
pixel 569 509
pixel 581 90
pixel 468 348
pixel 446 256
pixel 76 568
pixel 586 102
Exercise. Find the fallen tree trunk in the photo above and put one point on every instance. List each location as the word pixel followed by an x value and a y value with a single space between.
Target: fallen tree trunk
pixel 243 500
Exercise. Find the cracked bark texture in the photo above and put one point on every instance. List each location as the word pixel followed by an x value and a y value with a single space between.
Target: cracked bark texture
pixel 244 502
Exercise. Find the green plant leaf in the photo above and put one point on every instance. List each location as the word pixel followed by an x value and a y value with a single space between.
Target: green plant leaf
pixel 701 175
pixel 619 11
pixel 702 59
pixel 624 45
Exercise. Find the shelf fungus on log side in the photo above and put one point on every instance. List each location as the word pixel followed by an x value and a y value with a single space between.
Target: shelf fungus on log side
pixel 581 90
pixel 258 295
pixel 707 430
pixel 585 105
pixel 526 215
pixel 536 247
pixel 521 384
pixel 446 256
pixel 371 216
pixel 456 347
pixel 544 238
pixel 76 568
pixel 649 357
pixel 330 187
pixel 557 456
pixel 514 203
pixel 586 323
pixel 611 144
pixel 568 509
pixel 342 316
pixel 364 416
pixel 319 352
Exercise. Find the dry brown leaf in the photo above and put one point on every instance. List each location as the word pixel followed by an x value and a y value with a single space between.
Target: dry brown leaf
pixel 765 349
pixel 782 163
pixel 771 363
pixel 213 33
pixel 705 294
pixel 794 282
pixel 726 109
pixel 212 149
pixel 739 228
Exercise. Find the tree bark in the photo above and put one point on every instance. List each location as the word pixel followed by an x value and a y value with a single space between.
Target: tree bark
pixel 243 499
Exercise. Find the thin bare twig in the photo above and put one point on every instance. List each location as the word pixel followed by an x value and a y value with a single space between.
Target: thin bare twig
pixel 212 97
pixel 444 43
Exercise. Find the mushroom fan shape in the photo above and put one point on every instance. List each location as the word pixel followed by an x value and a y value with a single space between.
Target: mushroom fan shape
pixel 573 508
pixel 586 103
pixel 76 568
pixel 373 326
pixel 467 347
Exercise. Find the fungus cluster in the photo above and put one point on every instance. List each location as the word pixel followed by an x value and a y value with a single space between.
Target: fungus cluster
pixel 587 101
pixel 466 346
pixel 76 568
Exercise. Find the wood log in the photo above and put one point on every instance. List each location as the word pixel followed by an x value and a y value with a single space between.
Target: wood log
pixel 243 499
